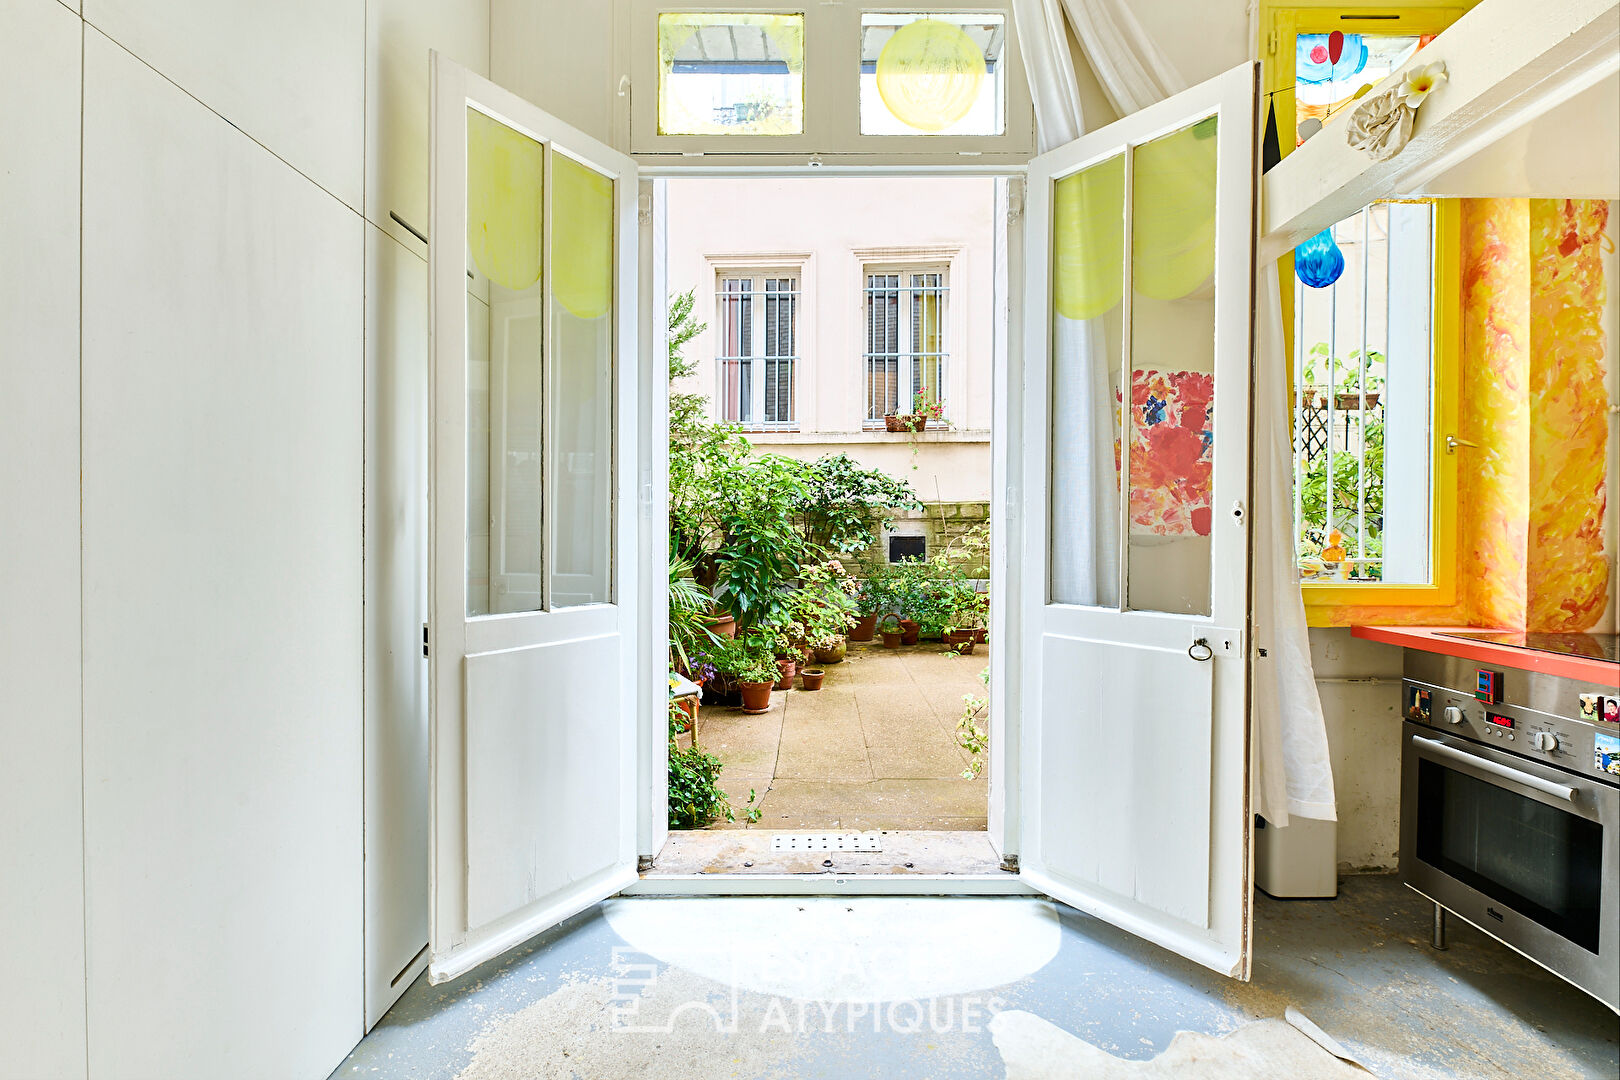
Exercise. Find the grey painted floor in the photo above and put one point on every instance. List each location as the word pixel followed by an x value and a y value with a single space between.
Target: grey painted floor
pixel 1359 967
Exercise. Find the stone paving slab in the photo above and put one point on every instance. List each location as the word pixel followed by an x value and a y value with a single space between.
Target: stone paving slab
pixel 875 748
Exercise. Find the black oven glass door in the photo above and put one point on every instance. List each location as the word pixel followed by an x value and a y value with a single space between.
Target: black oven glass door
pixel 1543 861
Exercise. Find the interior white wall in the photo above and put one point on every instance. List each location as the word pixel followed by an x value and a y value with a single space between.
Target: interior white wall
pixel 252 766
pixel 41 849
pixel 1360 686
pixel 574 80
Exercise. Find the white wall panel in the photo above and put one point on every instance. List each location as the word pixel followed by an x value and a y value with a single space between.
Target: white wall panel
pixel 559 54
pixel 399 34
pixel 223 434
pixel 396 608
pixel 41 848
pixel 289 73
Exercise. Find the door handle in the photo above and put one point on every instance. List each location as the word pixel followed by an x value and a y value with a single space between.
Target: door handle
pixel 1201 643
pixel 1440 749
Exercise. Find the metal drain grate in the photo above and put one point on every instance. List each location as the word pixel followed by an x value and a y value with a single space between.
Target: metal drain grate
pixel 826 841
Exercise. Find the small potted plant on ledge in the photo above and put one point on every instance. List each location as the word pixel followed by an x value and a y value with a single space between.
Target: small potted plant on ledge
pixel 924 407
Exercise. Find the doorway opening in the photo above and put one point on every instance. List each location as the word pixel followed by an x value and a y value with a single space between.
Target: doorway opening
pixel 833 346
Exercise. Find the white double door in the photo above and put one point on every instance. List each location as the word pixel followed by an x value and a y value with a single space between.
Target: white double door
pixel 1132 540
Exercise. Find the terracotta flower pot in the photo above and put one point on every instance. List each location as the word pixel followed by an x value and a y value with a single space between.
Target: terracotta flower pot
pixel 722 625
pixel 756 697
pixel 864 628
pixel 892 422
pixel 891 639
pixel 981 636
pixel 834 655
pixel 909 631
pixel 810 678
pixel 960 640
pixel 789 668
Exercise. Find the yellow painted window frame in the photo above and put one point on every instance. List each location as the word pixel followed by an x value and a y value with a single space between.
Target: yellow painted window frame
pixel 1280 24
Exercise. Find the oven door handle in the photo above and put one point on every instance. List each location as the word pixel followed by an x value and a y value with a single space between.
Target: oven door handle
pixel 1440 749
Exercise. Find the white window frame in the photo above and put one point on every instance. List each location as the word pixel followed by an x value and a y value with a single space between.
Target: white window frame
pixel 941 263
pixel 832 85
pixel 758 359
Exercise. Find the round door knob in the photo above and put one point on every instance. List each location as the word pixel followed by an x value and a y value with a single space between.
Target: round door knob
pixel 1545 740
pixel 1453 715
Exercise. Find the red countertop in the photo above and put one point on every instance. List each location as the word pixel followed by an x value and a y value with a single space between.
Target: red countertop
pixel 1431 639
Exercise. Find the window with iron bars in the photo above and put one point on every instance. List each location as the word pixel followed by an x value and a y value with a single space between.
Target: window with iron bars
pixel 1364 403
pixel 756 333
pixel 906 349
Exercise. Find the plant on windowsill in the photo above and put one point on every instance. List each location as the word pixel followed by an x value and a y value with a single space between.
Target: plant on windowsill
pixel 924 407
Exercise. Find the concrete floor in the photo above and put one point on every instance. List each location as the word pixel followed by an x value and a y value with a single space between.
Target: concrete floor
pixel 595 998
pixel 874 748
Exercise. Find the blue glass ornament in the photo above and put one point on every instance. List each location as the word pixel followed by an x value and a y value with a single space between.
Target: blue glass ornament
pixel 1318 261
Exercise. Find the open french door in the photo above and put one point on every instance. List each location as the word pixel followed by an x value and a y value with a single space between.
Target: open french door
pixel 1139 249
pixel 533 523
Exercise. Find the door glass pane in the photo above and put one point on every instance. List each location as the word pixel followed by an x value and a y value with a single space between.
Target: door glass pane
pixel 730 74
pixel 1088 284
pixel 934 74
pixel 1169 421
pixel 505 175
pixel 582 303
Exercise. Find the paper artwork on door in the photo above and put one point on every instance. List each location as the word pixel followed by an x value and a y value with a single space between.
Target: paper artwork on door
pixel 1172 452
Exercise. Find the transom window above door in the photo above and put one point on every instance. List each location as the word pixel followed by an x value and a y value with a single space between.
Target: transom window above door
pixel 906 350
pixel 936 84
pixel 756 332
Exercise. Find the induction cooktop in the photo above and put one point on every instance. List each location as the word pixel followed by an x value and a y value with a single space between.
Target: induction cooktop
pixel 1596 646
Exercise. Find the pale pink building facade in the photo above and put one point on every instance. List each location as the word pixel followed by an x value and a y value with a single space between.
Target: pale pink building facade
pixel 830 299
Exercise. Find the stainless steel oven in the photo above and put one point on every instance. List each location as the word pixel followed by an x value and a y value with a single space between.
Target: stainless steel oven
pixel 1510 817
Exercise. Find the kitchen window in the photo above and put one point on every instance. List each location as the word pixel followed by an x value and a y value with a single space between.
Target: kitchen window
pixel 906 352
pixel 1370 311
pixel 756 324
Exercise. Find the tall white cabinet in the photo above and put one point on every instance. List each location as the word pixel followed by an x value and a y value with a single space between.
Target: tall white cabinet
pixel 213 815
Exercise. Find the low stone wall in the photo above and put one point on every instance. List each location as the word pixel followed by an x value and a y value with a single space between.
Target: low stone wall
pixel 940 523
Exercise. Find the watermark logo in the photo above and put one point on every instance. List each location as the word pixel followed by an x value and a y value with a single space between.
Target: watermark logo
pixel 638 1003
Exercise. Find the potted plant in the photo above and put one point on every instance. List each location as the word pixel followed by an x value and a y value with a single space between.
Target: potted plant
pixel 810 678
pixel 830 649
pixel 756 675
pixel 889 629
pixel 924 408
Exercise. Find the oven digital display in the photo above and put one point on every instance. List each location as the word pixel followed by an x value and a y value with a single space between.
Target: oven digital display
pixel 1498 719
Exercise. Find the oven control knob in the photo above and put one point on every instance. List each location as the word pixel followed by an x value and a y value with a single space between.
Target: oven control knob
pixel 1453 714
pixel 1546 740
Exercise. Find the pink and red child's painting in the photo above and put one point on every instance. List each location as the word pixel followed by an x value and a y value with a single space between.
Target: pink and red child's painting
pixel 1172 452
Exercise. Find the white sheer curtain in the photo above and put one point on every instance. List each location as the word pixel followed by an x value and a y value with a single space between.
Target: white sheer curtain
pixel 1293 774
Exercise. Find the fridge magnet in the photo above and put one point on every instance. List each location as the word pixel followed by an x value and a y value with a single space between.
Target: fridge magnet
pixel 1606 755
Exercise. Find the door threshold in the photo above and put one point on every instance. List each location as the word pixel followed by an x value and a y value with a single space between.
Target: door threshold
pixel 763 862
pixel 1000 884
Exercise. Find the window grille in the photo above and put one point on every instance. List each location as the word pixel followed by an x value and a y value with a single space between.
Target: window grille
pixel 906 352
pixel 1362 393
pixel 757 324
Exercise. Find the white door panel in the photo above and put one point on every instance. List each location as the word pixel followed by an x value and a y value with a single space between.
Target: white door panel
pixel 534 579
pixel 1137 329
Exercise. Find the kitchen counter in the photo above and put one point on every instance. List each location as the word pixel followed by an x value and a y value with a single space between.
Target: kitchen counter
pixel 1432 639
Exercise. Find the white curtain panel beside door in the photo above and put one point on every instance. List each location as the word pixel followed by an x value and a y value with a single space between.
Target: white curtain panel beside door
pixel 1293 774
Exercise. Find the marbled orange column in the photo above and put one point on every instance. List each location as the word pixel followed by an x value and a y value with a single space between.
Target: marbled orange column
pixel 1493 479
pixel 1567 566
